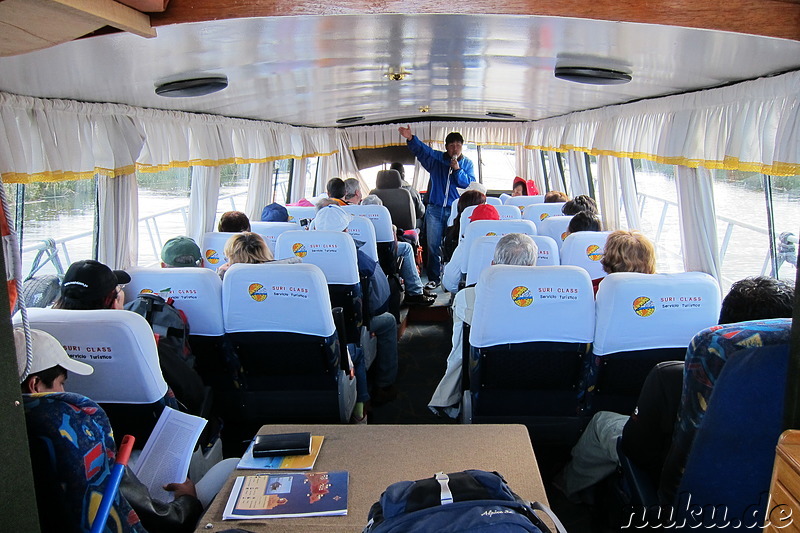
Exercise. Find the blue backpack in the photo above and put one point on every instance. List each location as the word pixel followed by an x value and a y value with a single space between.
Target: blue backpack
pixel 473 500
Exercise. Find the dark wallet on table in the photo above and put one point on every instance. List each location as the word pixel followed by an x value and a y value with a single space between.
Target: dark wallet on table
pixel 282 444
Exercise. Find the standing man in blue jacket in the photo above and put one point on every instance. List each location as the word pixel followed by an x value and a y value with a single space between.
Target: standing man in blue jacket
pixel 449 170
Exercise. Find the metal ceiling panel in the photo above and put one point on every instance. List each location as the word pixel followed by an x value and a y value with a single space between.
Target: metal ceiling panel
pixel 314 70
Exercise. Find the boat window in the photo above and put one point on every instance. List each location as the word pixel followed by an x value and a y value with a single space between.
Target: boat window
pixel 658 201
pixel 312 172
pixel 281 178
pixel 163 209
pixel 233 182
pixel 742 225
pixel 498 167
pixel 785 196
pixel 54 217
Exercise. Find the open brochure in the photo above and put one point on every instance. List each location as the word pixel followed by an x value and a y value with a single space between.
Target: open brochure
pixel 288 495
pixel 167 453
pixel 288 462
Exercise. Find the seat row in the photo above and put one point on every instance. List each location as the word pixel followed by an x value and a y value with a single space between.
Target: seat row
pixel 541 346
pixel 583 249
pixel 267 337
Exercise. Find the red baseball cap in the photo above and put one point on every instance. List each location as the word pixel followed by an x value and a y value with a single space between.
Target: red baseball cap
pixel 484 212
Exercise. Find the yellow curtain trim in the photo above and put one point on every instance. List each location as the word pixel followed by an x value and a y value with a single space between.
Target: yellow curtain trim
pixel 777 168
pixel 428 141
pixel 220 162
pixel 60 175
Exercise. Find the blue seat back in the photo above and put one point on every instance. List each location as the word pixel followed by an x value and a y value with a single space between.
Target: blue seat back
pixel 733 445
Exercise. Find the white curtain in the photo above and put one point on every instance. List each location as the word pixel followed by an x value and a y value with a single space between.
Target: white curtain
pixel 55 140
pixel 118 231
pixel 698 220
pixel 750 126
pixel 259 190
pixel 629 198
pixel 299 179
pixel 578 176
pixel 608 191
pixel 203 201
pixel 554 174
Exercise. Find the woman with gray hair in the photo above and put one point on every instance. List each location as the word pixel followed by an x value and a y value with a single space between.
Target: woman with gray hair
pixel 511 249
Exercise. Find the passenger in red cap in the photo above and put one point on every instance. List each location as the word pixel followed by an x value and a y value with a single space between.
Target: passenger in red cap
pixel 524 188
pixel 520 188
pixel 484 212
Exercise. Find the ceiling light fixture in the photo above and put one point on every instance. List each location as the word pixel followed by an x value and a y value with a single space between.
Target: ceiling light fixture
pixel 592 75
pixel 500 114
pixel 192 87
pixel 397 74
pixel 349 120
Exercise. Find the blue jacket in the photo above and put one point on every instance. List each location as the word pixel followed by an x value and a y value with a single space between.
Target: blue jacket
pixel 442 179
pixel 379 291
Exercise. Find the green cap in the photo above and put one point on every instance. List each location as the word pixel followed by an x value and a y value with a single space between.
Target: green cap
pixel 181 252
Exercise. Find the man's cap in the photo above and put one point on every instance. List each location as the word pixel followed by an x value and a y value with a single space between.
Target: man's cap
pixel 473 186
pixel 484 212
pixel 47 353
pixel 90 280
pixel 518 180
pixel 181 252
pixel 274 212
pixel 332 218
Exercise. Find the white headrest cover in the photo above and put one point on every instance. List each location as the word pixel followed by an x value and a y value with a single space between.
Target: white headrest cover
pixel 585 249
pixel 118 344
pixel 332 251
pixel 361 229
pixel 214 249
pixel 538 212
pixel 195 291
pixel 271 230
pixel 453 212
pixel 515 304
pixel 493 200
pixel 646 311
pixel 277 298
pixel 488 228
pixel 524 200
pixel 380 218
pixel 481 254
pixel 548 251
pixel 297 212
pixel 506 212
pixel 509 212
pixel 555 227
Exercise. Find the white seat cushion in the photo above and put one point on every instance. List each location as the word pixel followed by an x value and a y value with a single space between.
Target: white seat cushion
pixel 516 304
pixel 538 212
pixel 214 249
pixel 118 344
pixel 648 311
pixel 332 251
pixel 195 291
pixel 380 218
pixel 585 249
pixel 555 227
pixel 277 298
pixel 271 230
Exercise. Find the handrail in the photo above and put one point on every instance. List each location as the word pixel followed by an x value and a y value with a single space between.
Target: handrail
pixel 731 224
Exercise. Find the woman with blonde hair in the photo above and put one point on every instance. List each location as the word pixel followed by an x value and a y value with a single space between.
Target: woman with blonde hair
pixel 245 247
pixel 627 251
